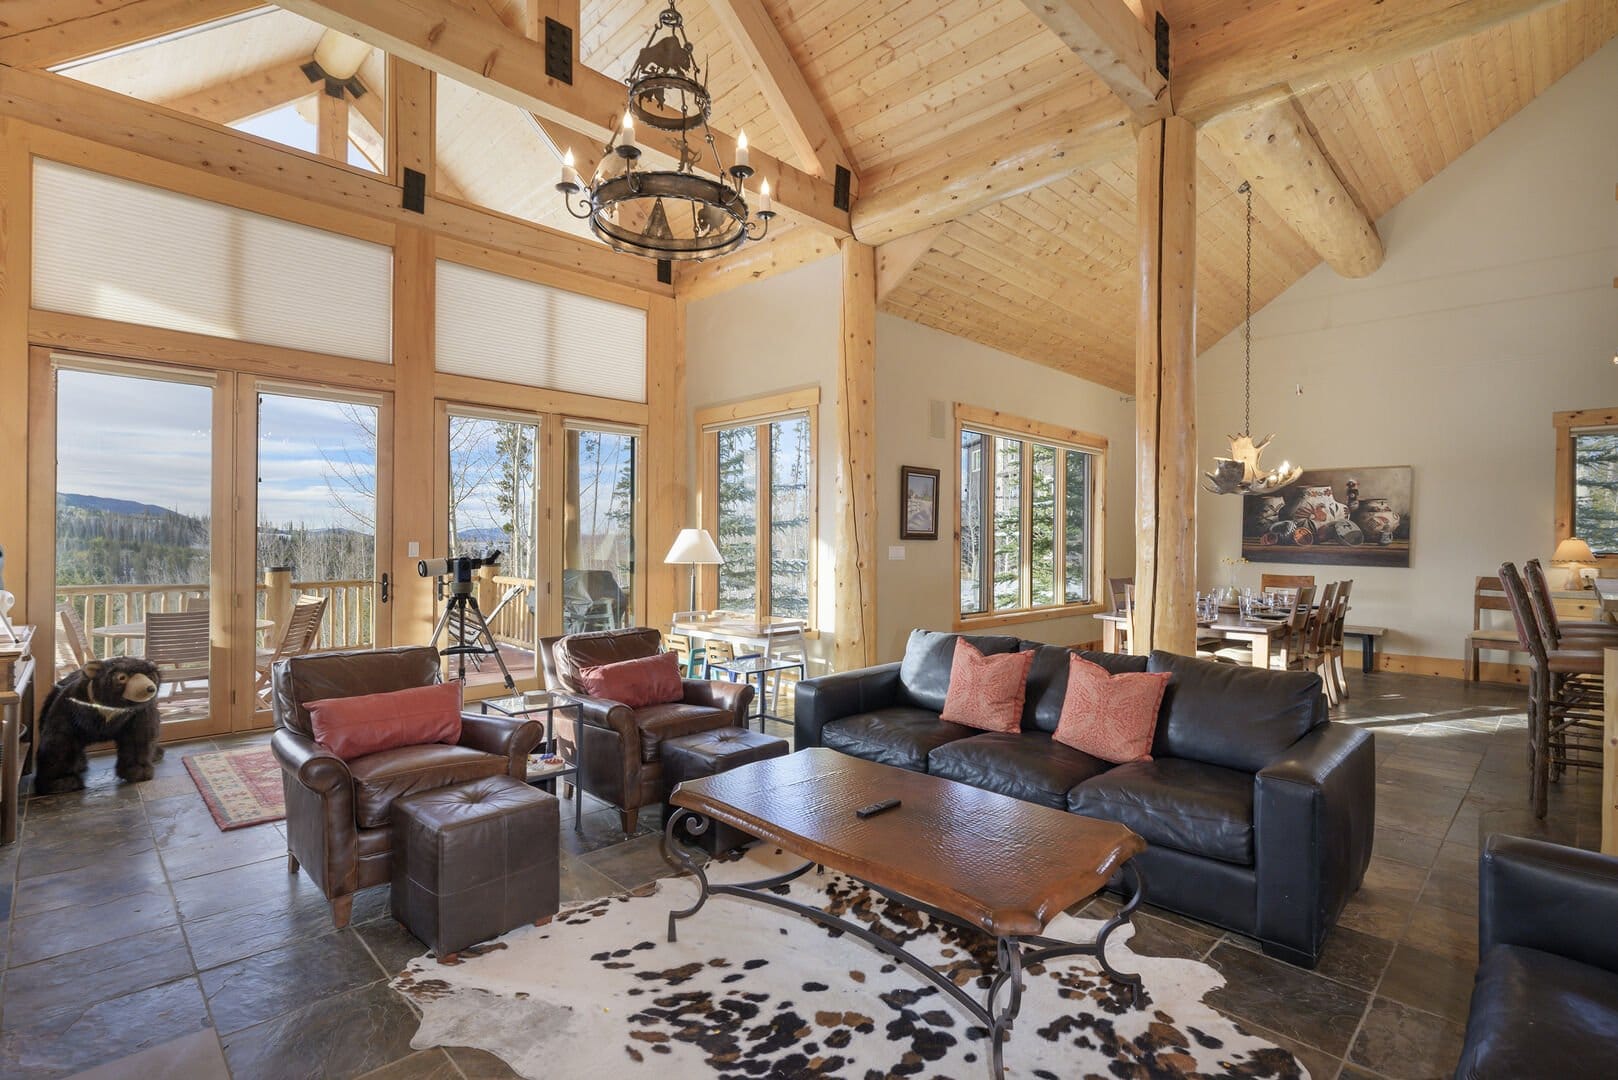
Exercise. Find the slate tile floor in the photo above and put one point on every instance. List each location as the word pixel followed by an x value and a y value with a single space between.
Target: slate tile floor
pixel 138 940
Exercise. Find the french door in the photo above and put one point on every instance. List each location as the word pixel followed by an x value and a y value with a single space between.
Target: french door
pixel 186 517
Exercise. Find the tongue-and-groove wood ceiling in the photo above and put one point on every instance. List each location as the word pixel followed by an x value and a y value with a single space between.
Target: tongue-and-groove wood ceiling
pixel 1049 274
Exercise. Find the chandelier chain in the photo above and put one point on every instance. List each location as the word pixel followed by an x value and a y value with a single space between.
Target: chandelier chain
pixel 1247 321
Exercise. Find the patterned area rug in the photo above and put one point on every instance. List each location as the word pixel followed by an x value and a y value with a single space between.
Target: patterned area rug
pixel 749 991
pixel 241 787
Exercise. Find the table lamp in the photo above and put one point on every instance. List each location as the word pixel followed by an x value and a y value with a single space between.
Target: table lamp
pixel 1573 553
pixel 694 548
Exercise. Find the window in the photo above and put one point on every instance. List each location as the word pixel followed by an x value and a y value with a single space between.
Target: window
pixel 1595 490
pixel 1586 497
pixel 1030 516
pixel 758 497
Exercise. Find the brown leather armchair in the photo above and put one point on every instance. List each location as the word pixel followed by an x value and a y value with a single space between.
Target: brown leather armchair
pixel 339 812
pixel 617 747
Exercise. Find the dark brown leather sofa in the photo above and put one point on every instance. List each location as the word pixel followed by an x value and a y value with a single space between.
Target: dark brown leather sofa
pixel 617 747
pixel 339 813
pixel 1258 811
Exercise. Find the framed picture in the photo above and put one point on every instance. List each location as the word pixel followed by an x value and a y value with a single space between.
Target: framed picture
pixel 1333 517
pixel 918 503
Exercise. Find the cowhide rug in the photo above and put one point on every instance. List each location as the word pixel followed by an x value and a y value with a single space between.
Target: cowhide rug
pixel 750 991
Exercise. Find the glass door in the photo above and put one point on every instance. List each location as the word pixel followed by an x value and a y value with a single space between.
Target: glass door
pixel 493 510
pixel 320 527
pixel 601 507
pixel 139 553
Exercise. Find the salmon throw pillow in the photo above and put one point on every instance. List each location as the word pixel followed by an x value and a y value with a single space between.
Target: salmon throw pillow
pixel 646 680
pixel 1111 717
pixel 352 727
pixel 987 691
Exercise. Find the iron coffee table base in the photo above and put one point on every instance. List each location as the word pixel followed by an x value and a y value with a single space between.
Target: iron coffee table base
pixel 1013 952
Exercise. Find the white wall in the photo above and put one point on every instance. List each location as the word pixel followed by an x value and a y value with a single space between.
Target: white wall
pixel 1494 309
pixel 916 366
pixel 782 333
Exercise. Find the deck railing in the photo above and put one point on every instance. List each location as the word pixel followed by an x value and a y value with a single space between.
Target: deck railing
pixel 346 624
pixel 514 624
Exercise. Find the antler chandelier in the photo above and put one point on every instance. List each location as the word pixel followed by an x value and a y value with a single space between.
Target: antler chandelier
pixel 661 213
pixel 1240 474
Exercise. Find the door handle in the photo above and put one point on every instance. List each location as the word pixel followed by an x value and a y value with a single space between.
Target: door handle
pixel 387 588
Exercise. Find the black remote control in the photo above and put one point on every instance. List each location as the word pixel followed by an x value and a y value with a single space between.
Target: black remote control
pixel 876 808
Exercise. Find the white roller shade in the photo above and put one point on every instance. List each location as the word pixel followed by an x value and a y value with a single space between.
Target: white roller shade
pixel 118 250
pixel 498 327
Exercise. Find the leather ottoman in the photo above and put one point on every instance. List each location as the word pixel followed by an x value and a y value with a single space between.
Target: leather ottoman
pixel 472 861
pixel 708 753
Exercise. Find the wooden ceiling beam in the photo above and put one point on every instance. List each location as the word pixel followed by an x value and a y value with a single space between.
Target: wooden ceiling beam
pixel 239 99
pixel 1271 50
pixel 485 54
pixel 896 259
pixel 758 41
pixel 983 165
pixel 754 262
pixel 44 33
pixel 1271 146
pixel 1114 43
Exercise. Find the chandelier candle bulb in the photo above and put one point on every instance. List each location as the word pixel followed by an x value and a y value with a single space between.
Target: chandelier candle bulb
pixel 570 175
pixel 741 149
pixel 765 209
pixel 626 140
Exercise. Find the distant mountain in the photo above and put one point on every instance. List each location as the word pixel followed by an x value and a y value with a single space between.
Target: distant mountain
pixel 116 506
pixel 481 536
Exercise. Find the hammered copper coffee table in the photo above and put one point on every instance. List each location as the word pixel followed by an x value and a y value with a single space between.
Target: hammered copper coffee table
pixel 971 857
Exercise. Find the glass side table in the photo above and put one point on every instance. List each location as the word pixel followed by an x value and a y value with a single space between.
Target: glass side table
pixel 532 703
pixel 762 667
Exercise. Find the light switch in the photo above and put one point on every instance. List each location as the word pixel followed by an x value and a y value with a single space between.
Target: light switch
pixel 896 552
pixel 414 549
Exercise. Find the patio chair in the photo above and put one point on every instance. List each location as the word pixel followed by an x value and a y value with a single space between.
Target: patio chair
pixel 72 643
pixel 177 642
pixel 297 638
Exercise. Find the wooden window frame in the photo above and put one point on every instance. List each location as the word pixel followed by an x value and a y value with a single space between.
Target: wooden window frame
pixel 759 413
pixel 997 424
pixel 1567 425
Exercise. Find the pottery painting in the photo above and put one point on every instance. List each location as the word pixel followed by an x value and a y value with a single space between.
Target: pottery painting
pixel 1340 517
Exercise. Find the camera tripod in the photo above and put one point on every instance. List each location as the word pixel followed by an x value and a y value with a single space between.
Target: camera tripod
pixel 463 607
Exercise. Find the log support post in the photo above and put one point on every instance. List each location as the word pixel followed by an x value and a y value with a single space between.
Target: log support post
pixel 1165 391
pixel 855 619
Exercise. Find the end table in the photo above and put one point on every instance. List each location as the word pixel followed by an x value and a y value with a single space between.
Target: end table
pixel 532 703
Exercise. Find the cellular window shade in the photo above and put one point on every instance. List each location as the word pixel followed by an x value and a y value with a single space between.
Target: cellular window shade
pixel 118 250
pixel 498 327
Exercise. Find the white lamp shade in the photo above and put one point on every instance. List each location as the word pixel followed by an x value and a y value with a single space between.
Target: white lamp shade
pixel 1573 550
pixel 694 546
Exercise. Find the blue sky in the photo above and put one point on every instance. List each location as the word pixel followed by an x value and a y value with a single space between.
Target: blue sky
pixel 151 441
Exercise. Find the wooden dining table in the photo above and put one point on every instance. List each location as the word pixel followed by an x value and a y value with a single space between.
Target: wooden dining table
pixel 1267 637
pixel 744 628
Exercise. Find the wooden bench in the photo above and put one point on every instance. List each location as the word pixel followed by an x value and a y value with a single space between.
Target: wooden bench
pixel 1367 636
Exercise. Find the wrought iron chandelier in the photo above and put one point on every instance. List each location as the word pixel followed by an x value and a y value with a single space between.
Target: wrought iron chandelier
pixel 1240 473
pixel 674 213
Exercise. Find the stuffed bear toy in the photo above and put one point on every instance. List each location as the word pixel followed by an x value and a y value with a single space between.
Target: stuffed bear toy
pixel 105 700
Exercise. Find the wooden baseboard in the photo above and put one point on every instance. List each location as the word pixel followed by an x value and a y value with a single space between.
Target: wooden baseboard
pixel 1451 668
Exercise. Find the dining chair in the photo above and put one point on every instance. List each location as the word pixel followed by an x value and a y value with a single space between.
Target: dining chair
pixel 1117 586
pixel 1285 581
pixel 177 642
pixel 1556 629
pixel 786 642
pixel 1334 641
pixel 680 645
pixel 716 651
pixel 72 643
pixel 1565 717
pixel 1316 656
pixel 298 637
